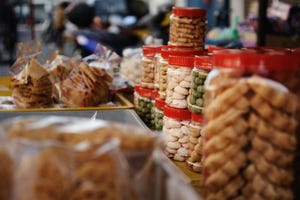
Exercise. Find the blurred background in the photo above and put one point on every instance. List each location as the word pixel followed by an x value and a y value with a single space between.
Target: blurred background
pixel 73 29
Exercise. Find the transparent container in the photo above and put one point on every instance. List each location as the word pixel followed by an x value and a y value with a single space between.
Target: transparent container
pixel 187 27
pixel 179 80
pixel 157 58
pixel 252 116
pixel 163 64
pixel 176 132
pixel 202 67
pixel 148 64
pixel 144 104
pixel 194 160
pixel 159 114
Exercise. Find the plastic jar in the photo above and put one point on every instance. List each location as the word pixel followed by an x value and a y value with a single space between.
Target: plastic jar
pixel 251 131
pixel 147 80
pixel 203 65
pixel 157 59
pixel 176 132
pixel 159 114
pixel 154 95
pixel 143 104
pixel 195 143
pixel 163 64
pixel 187 27
pixel 179 80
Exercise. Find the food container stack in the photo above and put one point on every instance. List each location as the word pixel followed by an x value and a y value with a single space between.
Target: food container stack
pixel 187 27
pixel 148 64
pixel 250 135
pixel 159 114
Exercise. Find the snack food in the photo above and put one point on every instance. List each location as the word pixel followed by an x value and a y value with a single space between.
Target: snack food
pixel 175 132
pixel 31 87
pixel 147 80
pixel 159 114
pixel 187 27
pixel 203 65
pixel 179 80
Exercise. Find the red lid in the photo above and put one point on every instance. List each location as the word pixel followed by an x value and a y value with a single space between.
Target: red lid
pixel 203 62
pixel 179 51
pixel 182 61
pixel 144 92
pixel 149 50
pixel 197 117
pixel 256 60
pixel 213 48
pixel 176 113
pixel 154 94
pixel 159 103
pixel 189 12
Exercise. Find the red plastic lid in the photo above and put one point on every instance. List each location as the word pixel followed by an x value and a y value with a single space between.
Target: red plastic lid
pixel 144 92
pixel 203 62
pixel 182 61
pixel 256 60
pixel 197 117
pixel 189 12
pixel 180 51
pixel 160 104
pixel 154 94
pixel 150 50
pixel 176 113
pixel 212 48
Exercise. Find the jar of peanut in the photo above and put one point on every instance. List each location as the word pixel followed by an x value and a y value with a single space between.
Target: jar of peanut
pixel 147 80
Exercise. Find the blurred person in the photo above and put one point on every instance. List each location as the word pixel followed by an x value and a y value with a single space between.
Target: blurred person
pixel 8 28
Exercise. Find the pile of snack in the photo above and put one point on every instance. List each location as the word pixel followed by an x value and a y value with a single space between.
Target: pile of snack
pixel 74 158
pixel 61 81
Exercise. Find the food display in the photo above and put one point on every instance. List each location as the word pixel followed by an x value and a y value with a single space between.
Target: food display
pixel 179 80
pixel 196 136
pixel 196 98
pixel 159 113
pixel 176 132
pixel 250 136
pixel 31 86
pixel 148 62
pixel 187 27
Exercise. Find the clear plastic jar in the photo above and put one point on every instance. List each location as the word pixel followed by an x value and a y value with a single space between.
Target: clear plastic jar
pixel 176 132
pixel 143 104
pixel 202 67
pixel 194 160
pixel 148 63
pixel 187 27
pixel 154 95
pixel 252 125
pixel 179 80
pixel 163 64
pixel 159 114
pixel 157 58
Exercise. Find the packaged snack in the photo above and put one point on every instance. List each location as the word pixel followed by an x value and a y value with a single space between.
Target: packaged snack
pixel 159 114
pixel 187 27
pixel 194 160
pixel 202 67
pixel 148 62
pixel 179 80
pixel 6 173
pixel 250 135
pixel 176 133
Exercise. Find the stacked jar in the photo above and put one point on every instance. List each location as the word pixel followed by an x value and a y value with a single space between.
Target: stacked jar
pixel 203 65
pixel 157 59
pixel 164 63
pixel 250 135
pixel 187 27
pixel 159 114
pixel 179 80
pixel 175 132
pixel 143 104
pixel 154 96
pixel 148 64
pixel 194 160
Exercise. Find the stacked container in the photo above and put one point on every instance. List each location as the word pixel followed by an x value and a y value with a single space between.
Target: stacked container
pixel 159 113
pixel 250 135
pixel 148 64
pixel 187 27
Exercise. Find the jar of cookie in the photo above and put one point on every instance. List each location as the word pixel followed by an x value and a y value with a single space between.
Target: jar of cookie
pixel 202 67
pixel 159 113
pixel 195 143
pixel 148 64
pixel 163 64
pixel 176 132
pixel 143 104
pixel 251 131
pixel 157 58
pixel 179 80
pixel 187 27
